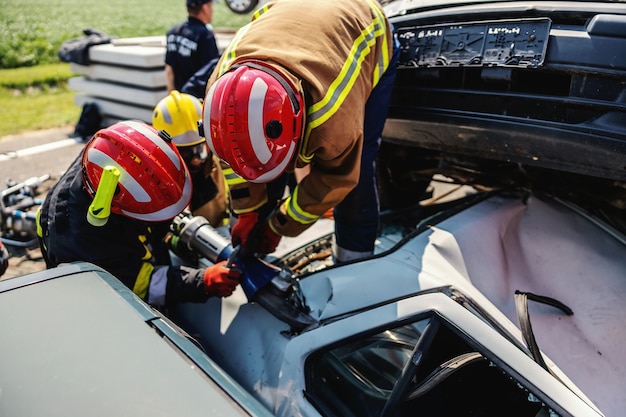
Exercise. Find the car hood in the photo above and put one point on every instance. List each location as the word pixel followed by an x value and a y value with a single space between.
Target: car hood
pixel 490 250
pixel 478 252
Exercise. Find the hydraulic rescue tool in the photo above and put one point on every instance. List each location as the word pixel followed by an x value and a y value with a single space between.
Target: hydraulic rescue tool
pixel 198 235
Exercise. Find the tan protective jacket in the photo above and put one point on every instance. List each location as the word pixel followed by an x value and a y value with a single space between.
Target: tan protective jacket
pixel 337 50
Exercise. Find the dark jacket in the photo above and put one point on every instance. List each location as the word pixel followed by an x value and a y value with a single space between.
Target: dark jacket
pixel 190 46
pixel 129 249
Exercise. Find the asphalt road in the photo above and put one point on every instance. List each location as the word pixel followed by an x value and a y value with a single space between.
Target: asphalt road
pixel 37 153
pixel 33 155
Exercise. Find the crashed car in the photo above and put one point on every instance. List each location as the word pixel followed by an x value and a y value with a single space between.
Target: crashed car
pixel 78 342
pixel 498 280
pixel 496 287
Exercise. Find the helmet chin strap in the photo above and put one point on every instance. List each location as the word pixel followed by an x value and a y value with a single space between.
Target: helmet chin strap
pixel 100 208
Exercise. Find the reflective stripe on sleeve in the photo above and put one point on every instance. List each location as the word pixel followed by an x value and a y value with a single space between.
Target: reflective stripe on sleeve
pixel 383 61
pixel 38 222
pixel 143 280
pixel 232 178
pixel 295 212
pixel 320 112
pixel 249 209
pixel 260 12
pixel 230 53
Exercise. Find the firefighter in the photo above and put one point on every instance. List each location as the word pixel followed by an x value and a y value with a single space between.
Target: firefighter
pixel 304 87
pixel 178 114
pixel 113 206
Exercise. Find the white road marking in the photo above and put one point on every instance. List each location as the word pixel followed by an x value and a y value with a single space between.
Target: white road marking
pixel 37 149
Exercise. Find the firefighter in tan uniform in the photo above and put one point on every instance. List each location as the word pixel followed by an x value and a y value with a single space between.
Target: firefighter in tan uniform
pixel 306 84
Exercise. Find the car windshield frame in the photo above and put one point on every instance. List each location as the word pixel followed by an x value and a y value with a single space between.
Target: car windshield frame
pixel 475 333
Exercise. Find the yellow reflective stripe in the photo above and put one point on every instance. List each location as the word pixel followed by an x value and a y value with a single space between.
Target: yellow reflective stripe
pixel 230 53
pixel 249 209
pixel 37 222
pixel 273 228
pixel 320 112
pixel 338 90
pixel 225 171
pixel 143 239
pixel 142 283
pixel 383 61
pixel 306 158
pixel 259 12
pixel 295 211
pixel 232 178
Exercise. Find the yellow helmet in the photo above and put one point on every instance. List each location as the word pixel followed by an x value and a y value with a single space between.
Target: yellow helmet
pixel 178 114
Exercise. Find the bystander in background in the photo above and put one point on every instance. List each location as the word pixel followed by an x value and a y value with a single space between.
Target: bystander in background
pixel 190 44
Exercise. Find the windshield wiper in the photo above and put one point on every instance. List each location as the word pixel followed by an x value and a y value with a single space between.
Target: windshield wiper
pixel 521 307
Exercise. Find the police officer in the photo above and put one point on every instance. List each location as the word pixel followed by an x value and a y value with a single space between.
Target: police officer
pixel 190 44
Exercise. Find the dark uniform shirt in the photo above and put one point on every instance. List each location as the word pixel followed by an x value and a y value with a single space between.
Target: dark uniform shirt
pixel 190 46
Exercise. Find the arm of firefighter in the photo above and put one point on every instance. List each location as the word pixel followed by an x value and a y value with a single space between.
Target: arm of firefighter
pixel 221 279
pixel 329 180
pixel 243 229
pixel 196 285
pixel 310 200
pixel 245 196
pixel 215 210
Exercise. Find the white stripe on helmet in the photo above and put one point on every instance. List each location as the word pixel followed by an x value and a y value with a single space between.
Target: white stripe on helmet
pixel 206 122
pixel 256 129
pixel 165 112
pixel 101 159
pixel 274 173
pixel 168 212
pixel 156 139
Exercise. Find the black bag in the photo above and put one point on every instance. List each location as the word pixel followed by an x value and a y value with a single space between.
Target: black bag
pixel 77 50
pixel 89 122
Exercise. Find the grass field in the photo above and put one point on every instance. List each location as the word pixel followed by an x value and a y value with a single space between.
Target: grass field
pixel 33 30
pixel 37 97
pixel 33 82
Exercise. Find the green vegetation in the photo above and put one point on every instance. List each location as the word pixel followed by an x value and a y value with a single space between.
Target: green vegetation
pixel 32 31
pixel 33 82
pixel 50 75
pixel 36 98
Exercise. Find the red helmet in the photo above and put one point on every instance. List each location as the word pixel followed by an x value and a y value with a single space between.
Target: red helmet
pixel 254 118
pixel 154 184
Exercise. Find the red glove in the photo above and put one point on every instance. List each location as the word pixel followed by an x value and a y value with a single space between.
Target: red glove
pixel 220 280
pixel 4 259
pixel 242 228
pixel 268 239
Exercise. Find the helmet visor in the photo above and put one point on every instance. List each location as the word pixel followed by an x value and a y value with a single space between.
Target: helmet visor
pixel 194 156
